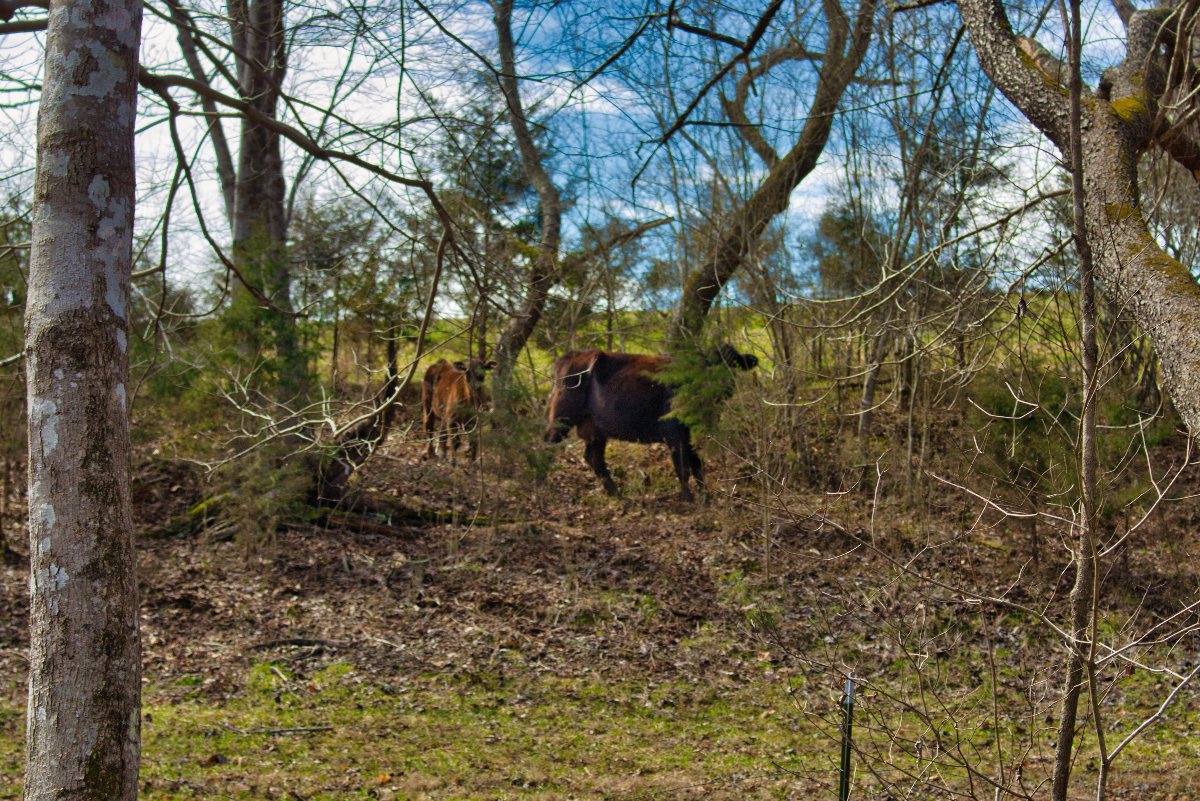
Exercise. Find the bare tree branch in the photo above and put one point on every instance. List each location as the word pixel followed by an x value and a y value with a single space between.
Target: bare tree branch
pixel 10 7
pixel 24 26
pixel 187 44
pixel 751 42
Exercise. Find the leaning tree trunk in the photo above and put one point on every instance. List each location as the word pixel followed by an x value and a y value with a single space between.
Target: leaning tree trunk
pixel 84 667
pixel 847 46
pixel 1120 120
pixel 543 272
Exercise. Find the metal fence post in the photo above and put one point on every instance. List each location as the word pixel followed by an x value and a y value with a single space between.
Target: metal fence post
pixel 847 732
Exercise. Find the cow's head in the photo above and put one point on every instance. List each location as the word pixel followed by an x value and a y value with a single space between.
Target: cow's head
pixel 569 397
pixel 476 370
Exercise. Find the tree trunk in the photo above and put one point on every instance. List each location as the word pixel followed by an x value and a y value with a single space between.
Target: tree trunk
pixel 1120 120
pixel 866 406
pixel 1084 593
pixel 84 667
pixel 5 477
pixel 543 272
pixel 259 220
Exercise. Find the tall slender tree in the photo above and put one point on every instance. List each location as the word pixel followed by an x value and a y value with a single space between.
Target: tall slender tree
pixel 544 266
pixel 259 221
pixel 84 670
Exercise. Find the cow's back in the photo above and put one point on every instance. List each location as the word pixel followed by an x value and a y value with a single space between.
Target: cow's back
pixel 444 390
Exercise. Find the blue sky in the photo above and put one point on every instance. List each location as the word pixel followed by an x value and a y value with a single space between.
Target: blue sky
pixel 600 134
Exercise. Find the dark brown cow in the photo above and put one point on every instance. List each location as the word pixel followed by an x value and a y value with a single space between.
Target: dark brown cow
pixel 605 395
pixel 451 397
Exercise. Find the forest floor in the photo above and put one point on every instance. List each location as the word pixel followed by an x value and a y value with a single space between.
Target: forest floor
pixel 543 641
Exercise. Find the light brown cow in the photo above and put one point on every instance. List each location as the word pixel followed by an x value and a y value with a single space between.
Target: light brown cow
pixel 451 397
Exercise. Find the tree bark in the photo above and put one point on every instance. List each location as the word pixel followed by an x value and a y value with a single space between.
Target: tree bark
pixel 84 671
pixel 1119 121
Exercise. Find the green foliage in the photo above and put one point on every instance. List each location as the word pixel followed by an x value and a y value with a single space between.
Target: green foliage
pixel 487 190
pixel 266 487
pixel 594 283
pixel 1027 424
pixel 1028 437
pixel 259 328
pixel 513 434
pixel 847 250
pixel 15 232
pixel 14 266
pixel 173 396
pixel 347 266
pixel 700 385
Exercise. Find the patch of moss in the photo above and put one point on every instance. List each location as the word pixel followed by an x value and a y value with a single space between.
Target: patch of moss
pixel 1047 79
pixel 1179 277
pixel 1129 108
pixel 1119 212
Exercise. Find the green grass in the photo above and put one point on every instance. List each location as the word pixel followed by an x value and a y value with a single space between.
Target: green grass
pixel 343 734
pixel 339 735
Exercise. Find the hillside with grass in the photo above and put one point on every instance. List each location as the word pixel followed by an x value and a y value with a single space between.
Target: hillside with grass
pixel 502 629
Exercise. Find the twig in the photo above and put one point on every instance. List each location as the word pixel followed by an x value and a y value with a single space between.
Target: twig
pixel 1150 721
pixel 269 644
pixel 293 730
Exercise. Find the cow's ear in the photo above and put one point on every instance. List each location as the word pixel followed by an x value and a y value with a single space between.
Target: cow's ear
pixel 461 365
pixel 489 364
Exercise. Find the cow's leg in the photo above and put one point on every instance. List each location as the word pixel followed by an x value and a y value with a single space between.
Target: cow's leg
pixel 682 468
pixel 682 456
pixel 443 437
pixel 593 452
pixel 432 430
pixel 474 430
pixel 697 467
pixel 454 441
pixel 427 419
